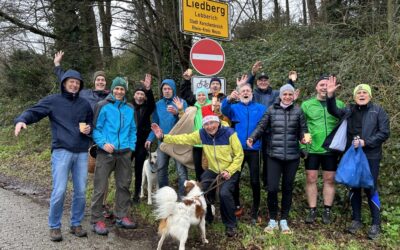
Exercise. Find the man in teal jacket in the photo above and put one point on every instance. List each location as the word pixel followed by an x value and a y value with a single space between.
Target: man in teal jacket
pixel 115 134
pixel 320 124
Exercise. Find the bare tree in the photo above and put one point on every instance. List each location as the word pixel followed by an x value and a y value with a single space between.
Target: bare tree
pixel 312 11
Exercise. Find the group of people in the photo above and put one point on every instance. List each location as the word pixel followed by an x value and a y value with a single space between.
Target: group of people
pixel 229 132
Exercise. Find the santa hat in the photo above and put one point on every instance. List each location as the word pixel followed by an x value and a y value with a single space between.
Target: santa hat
pixel 208 114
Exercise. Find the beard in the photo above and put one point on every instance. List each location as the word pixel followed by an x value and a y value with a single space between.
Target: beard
pixel 246 100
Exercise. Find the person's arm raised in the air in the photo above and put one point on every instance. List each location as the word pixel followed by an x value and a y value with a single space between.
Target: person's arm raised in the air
pixel 58 70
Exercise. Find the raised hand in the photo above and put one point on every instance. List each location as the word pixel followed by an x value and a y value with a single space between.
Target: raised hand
pixel 58 57
pixel 293 76
pixel 331 86
pixel 296 94
pixel 256 67
pixel 234 95
pixel 147 81
pixel 187 75
pixel 178 103
pixel 157 130
pixel 243 80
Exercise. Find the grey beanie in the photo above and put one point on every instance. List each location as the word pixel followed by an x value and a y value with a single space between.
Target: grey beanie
pixel 286 87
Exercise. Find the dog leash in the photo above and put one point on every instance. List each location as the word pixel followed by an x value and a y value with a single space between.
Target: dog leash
pixel 216 183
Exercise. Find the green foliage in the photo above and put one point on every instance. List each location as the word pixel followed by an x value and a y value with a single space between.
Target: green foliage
pixel 27 76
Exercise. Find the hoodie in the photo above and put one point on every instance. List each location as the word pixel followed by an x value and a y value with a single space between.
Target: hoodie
pixel 161 116
pixel 65 111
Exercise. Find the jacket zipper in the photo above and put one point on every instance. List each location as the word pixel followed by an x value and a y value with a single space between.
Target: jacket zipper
pixel 120 122
pixel 248 124
pixel 215 156
pixel 285 133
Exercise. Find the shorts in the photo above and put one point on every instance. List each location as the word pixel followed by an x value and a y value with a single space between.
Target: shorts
pixel 327 162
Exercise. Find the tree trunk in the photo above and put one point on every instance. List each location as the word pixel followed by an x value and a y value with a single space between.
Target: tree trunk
pixel 105 22
pixel 304 12
pixel 287 13
pixel 91 56
pixel 276 14
pixel 312 10
pixel 260 10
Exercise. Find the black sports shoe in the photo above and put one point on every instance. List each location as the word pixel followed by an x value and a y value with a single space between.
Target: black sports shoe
pixel 326 216
pixel 354 227
pixel 374 232
pixel 312 214
pixel 230 232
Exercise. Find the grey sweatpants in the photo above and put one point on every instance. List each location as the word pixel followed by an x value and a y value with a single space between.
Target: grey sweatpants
pixel 120 163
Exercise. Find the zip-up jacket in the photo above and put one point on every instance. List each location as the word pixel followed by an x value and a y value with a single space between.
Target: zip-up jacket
pixel 223 150
pixel 65 111
pixel 161 116
pixel 266 97
pixel 142 117
pixel 245 117
pixel 319 122
pixel 114 124
pixel 375 126
pixel 287 128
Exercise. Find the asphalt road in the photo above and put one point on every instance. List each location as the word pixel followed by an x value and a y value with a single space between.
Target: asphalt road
pixel 24 226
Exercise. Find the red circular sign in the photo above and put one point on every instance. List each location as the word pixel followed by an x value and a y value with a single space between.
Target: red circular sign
pixel 207 57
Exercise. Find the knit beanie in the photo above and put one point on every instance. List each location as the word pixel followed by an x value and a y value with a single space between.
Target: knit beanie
pixel 286 87
pixel 201 90
pixel 215 79
pixel 98 73
pixel 119 81
pixel 363 86
pixel 139 87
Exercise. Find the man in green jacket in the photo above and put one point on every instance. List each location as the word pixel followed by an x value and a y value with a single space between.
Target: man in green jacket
pixel 320 124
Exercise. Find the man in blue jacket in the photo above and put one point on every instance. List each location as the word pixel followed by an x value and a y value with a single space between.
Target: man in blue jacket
pixel 244 116
pixel 166 115
pixel 68 146
pixel 115 134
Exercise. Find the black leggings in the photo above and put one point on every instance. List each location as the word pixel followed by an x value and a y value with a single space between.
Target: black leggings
pixel 276 169
pixel 197 159
pixel 253 161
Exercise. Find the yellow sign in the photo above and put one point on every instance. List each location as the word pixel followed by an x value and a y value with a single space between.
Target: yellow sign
pixel 206 18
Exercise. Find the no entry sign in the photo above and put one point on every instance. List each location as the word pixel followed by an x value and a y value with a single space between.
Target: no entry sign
pixel 207 57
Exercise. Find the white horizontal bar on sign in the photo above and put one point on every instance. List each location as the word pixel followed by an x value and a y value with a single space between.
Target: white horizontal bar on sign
pixel 208 57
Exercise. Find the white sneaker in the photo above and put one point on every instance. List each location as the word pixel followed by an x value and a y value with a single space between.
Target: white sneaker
pixel 272 225
pixel 284 227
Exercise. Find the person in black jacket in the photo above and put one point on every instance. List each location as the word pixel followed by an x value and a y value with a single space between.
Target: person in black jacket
pixel 71 119
pixel 368 127
pixel 286 125
pixel 144 104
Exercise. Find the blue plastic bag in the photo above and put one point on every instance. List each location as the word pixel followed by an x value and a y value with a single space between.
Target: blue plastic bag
pixel 353 169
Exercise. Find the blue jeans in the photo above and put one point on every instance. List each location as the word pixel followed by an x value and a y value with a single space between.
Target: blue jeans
pixel 162 163
pixel 62 162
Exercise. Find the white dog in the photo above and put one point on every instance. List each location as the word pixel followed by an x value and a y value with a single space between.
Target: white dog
pixel 149 174
pixel 176 217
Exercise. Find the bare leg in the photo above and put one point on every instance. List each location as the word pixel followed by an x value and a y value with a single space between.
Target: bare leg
pixel 329 187
pixel 311 187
